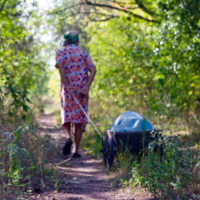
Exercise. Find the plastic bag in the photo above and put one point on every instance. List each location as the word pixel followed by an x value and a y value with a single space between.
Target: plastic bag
pixel 130 121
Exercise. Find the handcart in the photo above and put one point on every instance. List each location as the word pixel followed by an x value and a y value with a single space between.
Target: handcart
pixel 134 140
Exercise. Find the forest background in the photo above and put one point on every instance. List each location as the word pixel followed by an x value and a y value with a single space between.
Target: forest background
pixel 147 55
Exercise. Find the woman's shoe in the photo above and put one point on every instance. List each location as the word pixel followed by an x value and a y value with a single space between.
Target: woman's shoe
pixel 76 155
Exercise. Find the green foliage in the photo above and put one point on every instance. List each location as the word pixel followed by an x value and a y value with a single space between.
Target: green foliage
pixel 22 71
pixel 152 66
pixel 22 81
pixel 155 66
pixel 91 142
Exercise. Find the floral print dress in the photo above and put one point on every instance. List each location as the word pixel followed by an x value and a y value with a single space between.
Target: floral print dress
pixel 76 63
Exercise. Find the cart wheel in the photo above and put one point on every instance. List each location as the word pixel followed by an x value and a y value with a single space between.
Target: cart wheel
pixel 109 153
pixel 104 142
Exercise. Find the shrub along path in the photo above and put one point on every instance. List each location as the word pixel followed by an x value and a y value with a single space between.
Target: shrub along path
pixel 84 178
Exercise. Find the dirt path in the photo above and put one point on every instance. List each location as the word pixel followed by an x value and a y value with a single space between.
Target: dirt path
pixel 85 178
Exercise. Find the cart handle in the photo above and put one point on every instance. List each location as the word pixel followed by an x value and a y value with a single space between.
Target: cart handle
pixel 87 116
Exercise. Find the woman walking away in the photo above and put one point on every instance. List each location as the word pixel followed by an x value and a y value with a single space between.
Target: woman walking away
pixel 74 64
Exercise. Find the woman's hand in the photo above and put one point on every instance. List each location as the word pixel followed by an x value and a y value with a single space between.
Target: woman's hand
pixel 70 89
pixel 84 91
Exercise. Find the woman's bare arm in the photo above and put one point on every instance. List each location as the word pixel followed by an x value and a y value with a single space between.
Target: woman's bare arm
pixel 61 68
pixel 85 89
pixel 92 71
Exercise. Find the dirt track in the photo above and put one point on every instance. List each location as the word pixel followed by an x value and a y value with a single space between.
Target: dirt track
pixel 84 178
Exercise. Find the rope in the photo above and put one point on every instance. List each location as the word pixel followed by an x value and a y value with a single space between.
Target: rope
pixel 87 116
pixel 103 109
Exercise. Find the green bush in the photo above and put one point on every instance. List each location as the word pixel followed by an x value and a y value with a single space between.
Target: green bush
pixel 171 176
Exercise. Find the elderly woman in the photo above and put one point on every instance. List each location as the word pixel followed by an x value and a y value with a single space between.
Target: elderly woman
pixel 74 64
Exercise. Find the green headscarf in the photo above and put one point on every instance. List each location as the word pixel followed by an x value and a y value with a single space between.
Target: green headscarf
pixel 72 37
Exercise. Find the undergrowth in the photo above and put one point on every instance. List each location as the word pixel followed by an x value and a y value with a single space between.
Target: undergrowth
pixel 174 175
pixel 24 155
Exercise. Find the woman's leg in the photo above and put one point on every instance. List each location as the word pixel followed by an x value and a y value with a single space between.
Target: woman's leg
pixel 73 129
pixel 68 143
pixel 78 135
pixel 66 129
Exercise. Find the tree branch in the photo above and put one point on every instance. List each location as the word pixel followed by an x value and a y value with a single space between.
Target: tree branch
pixel 96 13
pixel 119 9
pixel 66 8
pixel 2 6
pixel 124 5
pixel 141 5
